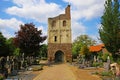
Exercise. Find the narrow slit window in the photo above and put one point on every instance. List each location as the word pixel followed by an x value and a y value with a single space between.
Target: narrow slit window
pixel 55 38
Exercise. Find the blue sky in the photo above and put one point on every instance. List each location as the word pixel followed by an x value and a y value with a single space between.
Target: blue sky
pixel 85 15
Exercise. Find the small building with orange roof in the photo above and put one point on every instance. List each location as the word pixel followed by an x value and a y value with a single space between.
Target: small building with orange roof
pixel 96 48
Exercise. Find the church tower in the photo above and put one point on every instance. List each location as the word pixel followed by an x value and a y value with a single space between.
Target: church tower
pixel 59 37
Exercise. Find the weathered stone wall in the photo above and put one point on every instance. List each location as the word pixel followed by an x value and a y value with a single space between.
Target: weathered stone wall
pixel 65 48
pixel 59 35
pixel 63 33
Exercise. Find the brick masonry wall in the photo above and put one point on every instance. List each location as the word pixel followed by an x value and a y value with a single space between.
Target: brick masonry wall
pixel 66 48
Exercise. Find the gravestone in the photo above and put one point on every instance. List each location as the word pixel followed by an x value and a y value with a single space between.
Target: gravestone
pixel 107 64
pixel 14 67
pixel 8 65
pixel 83 62
pixel 95 60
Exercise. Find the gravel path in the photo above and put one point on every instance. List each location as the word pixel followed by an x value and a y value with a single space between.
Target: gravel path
pixel 66 72
pixel 56 72
pixel 59 72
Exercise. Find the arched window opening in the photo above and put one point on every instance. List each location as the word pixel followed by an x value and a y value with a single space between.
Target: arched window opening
pixel 64 23
pixel 53 23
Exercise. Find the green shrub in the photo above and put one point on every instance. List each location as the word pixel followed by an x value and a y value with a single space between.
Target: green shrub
pixel 105 56
pixel 96 64
pixel 106 73
pixel 118 61
pixel 96 73
pixel 1 77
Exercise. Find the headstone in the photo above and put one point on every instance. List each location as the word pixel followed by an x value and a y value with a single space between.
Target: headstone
pixel 83 62
pixel 8 65
pixel 95 59
pixel 106 66
pixel 108 60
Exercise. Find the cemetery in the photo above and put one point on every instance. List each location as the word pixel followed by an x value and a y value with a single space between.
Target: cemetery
pixel 12 67
pixel 26 57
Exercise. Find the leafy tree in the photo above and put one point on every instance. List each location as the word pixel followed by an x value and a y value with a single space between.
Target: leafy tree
pixel 109 31
pixel 11 47
pixel 81 41
pixel 16 52
pixel 85 51
pixel 3 46
pixel 28 39
pixel 43 50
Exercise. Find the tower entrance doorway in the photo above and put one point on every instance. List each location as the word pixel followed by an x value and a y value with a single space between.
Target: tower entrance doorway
pixel 59 56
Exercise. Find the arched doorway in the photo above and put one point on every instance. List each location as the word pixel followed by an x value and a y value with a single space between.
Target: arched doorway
pixel 59 56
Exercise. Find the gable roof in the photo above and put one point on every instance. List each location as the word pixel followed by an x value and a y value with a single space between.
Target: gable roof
pixel 96 48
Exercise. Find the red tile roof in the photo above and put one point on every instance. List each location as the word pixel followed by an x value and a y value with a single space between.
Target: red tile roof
pixel 96 48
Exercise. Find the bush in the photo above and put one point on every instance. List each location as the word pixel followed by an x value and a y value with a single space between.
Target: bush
pixel 118 61
pixel 96 64
pixel 96 73
pixel 1 77
pixel 106 73
pixel 105 56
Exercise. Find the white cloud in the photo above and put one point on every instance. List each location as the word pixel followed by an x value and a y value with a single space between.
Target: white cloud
pixel 6 33
pixel 84 9
pixel 12 23
pixel 44 31
pixel 87 9
pixel 99 26
pixel 38 10
pixel 7 25
pixel 77 29
pixel 96 38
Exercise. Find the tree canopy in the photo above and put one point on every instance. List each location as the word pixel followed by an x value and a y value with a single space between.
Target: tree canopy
pixel 85 51
pixel 43 50
pixel 110 26
pixel 11 47
pixel 28 39
pixel 3 46
pixel 79 42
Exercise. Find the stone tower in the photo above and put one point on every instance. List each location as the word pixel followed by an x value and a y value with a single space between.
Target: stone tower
pixel 59 37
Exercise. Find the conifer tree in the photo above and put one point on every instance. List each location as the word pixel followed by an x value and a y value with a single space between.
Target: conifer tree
pixel 110 27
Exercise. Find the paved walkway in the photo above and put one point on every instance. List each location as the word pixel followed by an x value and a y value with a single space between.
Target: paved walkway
pixel 56 72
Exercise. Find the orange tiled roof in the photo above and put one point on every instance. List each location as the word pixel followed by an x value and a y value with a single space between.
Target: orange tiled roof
pixel 96 48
